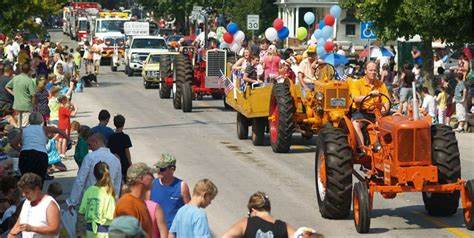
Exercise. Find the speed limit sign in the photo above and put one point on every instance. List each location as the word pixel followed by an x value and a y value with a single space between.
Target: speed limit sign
pixel 252 22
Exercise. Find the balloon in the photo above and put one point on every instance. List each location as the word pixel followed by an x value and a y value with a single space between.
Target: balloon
pixel 321 24
pixel 271 34
pixel 329 46
pixel 301 33
pixel 283 33
pixel 335 11
pixel 223 45
pixel 329 20
pixel 321 51
pixel 327 32
pixel 318 33
pixel 232 28
pixel 239 37
pixel 278 24
pixel 309 18
pixel 235 47
pixel 321 41
pixel 228 38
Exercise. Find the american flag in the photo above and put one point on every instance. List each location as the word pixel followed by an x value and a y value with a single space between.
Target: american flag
pixel 229 86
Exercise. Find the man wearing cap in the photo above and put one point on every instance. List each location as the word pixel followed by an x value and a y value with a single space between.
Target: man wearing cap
pixel 168 191
pixel 306 70
pixel 139 180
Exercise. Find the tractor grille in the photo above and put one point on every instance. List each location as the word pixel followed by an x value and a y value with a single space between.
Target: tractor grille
pixel 216 63
pixel 414 145
pixel 336 98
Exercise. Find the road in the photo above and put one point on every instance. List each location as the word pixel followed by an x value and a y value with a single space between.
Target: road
pixel 206 146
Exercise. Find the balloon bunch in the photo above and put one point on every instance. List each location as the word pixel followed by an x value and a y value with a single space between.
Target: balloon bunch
pixel 278 31
pixel 324 33
pixel 234 37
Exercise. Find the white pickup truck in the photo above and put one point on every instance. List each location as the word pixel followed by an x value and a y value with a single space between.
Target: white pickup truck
pixel 139 48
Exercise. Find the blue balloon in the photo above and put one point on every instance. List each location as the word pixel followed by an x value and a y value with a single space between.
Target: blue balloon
pixel 283 33
pixel 321 51
pixel 327 32
pixel 321 24
pixel 232 28
pixel 321 42
pixel 318 33
pixel 309 18
pixel 335 11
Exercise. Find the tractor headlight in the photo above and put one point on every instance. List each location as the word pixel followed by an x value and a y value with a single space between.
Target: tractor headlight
pixel 319 96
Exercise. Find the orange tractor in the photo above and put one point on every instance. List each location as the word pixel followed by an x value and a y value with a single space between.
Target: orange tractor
pixel 401 153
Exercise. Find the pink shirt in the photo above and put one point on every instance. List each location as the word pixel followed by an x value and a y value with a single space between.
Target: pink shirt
pixel 151 209
pixel 272 64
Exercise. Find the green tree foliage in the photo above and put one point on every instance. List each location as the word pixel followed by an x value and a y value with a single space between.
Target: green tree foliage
pixel 239 9
pixel 20 15
pixel 446 20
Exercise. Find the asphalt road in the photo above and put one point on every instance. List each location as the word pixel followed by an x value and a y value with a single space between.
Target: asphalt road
pixel 206 146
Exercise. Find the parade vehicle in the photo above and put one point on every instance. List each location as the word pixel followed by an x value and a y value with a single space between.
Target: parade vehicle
pixel 158 70
pixel 400 153
pixel 75 10
pixel 138 50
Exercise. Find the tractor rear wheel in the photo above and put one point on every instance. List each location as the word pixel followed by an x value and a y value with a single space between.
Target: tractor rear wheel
pixel 333 173
pixel 469 212
pixel 242 126
pixel 187 97
pixel 281 121
pixel 361 204
pixel 177 96
pixel 165 90
pixel 258 130
pixel 165 72
pixel 180 76
pixel 444 155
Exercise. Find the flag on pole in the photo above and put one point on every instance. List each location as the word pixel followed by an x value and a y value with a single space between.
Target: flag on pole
pixel 229 86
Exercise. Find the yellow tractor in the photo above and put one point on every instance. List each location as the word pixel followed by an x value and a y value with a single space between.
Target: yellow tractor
pixel 282 109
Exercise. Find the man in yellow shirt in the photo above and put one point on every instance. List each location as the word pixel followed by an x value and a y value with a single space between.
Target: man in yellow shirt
pixel 367 85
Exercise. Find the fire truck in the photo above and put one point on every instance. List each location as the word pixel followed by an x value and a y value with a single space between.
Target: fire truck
pixel 75 17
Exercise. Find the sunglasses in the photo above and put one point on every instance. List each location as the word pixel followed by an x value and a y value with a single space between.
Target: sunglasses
pixel 164 169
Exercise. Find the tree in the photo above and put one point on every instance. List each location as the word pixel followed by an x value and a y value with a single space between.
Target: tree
pixel 447 20
pixel 239 9
pixel 18 15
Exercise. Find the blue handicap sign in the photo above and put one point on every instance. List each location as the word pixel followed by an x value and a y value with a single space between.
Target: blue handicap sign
pixel 366 31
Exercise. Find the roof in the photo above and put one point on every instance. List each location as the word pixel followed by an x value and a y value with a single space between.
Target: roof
pixel 306 3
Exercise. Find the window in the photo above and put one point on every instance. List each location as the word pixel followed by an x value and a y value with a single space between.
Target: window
pixel 350 29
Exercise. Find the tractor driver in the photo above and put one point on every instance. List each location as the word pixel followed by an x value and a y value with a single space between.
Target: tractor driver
pixel 307 70
pixel 359 89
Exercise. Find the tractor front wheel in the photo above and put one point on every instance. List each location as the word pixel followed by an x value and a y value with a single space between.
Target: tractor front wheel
pixel 444 155
pixel 361 206
pixel 177 95
pixel 258 131
pixel 281 121
pixel 469 211
pixel 165 90
pixel 242 126
pixel 187 97
pixel 333 174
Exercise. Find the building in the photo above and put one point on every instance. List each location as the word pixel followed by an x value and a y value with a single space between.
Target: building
pixel 346 29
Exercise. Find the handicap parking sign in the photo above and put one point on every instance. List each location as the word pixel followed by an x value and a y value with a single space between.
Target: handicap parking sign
pixel 366 31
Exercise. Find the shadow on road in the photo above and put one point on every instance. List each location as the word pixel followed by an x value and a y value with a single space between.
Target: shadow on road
pixel 194 122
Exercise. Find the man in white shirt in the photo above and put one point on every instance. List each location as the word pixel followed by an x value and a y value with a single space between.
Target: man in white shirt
pixel 97 55
pixel 85 176
pixel 429 103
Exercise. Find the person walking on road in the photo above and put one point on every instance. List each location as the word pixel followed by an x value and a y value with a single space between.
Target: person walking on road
pixel 259 223
pixel 191 219
pixel 23 88
pixel 102 128
pixel 139 180
pixel 85 176
pixel 167 190
pixel 120 143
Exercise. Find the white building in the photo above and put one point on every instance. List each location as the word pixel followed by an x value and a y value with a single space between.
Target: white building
pixel 346 29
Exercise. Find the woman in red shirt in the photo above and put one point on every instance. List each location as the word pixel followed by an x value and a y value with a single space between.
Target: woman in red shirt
pixel 66 110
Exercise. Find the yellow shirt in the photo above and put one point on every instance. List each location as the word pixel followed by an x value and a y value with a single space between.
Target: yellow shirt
pixel 307 71
pixel 362 87
pixel 442 100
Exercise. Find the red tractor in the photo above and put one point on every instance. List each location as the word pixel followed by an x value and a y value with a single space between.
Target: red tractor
pixel 401 153
pixel 196 78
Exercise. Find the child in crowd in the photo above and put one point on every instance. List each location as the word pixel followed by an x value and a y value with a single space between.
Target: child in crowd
pixel 442 101
pixel 66 110
pixel 42 100
pixel 98 203
pixel 54 106
pixel 429 104
pixel 54 160
pixel 119 143
pixel 75 125
pixel 82 148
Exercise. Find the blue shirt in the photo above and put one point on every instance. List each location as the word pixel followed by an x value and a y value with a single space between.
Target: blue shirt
pixel 191 221
pixel 104 130
pixel 458 91
pixel 169 197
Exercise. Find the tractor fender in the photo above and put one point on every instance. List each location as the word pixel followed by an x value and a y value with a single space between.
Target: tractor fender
pixel 346 124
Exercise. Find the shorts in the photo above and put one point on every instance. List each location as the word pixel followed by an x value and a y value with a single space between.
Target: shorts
pixel 405 94
pixel 357 115
pixel 460 112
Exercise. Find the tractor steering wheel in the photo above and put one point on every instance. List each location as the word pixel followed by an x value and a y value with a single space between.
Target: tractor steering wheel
pixel 373 107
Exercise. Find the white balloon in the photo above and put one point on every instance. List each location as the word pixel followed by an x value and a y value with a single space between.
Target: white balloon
pixel 235 47
pixel 224 45
pixel 239 37
pixel 271 34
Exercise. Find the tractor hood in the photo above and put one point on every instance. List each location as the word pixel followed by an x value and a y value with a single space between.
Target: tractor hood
pixel 392 123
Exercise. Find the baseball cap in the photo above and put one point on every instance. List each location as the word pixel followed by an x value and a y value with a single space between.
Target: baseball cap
pixel 138 170
pixel 165 161
pixel 127 225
